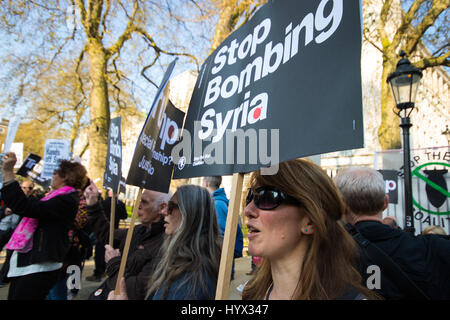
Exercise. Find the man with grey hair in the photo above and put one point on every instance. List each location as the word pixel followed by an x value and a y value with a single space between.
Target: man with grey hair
pixel 363 191
pixel 146 241
pixel 424 260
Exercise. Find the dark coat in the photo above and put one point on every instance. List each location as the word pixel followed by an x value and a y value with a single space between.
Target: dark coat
pixel 120 212
pixel 144 247
pixel 56 217
pixel 185 287
pixel 425 259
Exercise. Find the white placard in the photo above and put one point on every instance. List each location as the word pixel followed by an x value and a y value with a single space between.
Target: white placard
pixel 55 150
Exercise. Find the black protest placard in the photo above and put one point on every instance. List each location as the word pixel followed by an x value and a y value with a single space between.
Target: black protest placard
pixel 35 176
pixel 391 181
pixel 28 164
pixel 152 164
pixel 286 84
pixel 122 185
pixel 113 167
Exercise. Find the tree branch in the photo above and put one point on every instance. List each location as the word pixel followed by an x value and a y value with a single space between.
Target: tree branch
pixel 416 33
pixel 149 66
pixel 84 149
pixel 115 49
pixel 442 60
pixel 385 42
pixel 446 45
pixel 406 23
pixel 80 4
pixel 369 40
pixel 78 63
pixel 152 44
pixel 108 7
pixel 114 83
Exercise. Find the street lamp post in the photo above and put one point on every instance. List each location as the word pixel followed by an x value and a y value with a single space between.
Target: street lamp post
pixel 404 82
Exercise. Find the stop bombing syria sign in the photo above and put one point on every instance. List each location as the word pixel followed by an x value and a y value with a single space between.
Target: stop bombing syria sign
pixel 113 167
pixel 287 84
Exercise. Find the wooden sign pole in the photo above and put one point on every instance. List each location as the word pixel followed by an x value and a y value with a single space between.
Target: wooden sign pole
pixel 226 259
pixel 112 219
pixel 123 262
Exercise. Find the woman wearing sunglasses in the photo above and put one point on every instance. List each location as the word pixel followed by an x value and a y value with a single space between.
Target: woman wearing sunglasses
pixel 190 255
pixel 293 222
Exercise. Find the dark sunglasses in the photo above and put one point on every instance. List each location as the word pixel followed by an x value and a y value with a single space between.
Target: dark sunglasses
pixel 269 198
pixel 171 206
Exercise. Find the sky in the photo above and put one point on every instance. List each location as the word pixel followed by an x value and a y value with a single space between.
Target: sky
pixel 134 57
pixel 135 54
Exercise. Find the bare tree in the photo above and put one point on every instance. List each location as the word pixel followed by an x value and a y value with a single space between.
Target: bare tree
pixel 424 21
pixel 110 38
pixel 233 13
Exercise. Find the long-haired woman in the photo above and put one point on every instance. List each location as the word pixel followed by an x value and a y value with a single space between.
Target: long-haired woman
pixel 293 219
pixel 189 265
pixel 189 259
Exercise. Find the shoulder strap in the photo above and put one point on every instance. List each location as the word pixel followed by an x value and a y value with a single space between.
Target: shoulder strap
pixel 391 269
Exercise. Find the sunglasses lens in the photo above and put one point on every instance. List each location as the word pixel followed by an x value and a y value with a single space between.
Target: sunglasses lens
pixel 268 199
pixel 249 197
pixel 265 199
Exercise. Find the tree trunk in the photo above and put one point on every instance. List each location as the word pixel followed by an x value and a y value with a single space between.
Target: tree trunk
pixel 389 130
pixel 225 24
pixel 75 130
pixel 99 110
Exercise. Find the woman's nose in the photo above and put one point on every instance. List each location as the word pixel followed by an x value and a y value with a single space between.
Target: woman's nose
pixel 251 211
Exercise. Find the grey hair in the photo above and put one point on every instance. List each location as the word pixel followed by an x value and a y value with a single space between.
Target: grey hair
pixel 162 198
pixel 363 189
pixel 214 181
pixel 194 248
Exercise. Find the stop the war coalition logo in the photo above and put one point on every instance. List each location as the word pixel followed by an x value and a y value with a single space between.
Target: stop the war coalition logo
pixel 431 170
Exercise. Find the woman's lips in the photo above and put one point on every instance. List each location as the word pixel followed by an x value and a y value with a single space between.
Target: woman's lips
pixel 253 232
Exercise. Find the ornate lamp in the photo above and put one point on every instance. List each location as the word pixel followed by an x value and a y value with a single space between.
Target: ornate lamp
pixel 404 82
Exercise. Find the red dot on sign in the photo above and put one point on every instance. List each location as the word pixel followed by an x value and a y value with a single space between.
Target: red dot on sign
pixel 170 132
pixel 257 113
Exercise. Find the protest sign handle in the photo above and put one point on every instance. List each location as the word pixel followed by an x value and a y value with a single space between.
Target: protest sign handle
pixel 226 260
pixel 112 219
pixel 123 262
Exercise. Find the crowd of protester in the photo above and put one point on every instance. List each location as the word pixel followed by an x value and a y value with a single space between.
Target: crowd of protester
pixel 311 238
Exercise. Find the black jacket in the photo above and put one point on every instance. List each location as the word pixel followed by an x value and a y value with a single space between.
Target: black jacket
pixel 143 252
pixel 425 259
pixel 56 216
pixel 120 213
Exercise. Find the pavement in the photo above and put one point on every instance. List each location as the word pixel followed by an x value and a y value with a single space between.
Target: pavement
pixel 242 266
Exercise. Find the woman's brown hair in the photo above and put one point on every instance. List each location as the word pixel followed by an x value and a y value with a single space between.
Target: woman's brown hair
pixel 328 268
pixel 74 173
